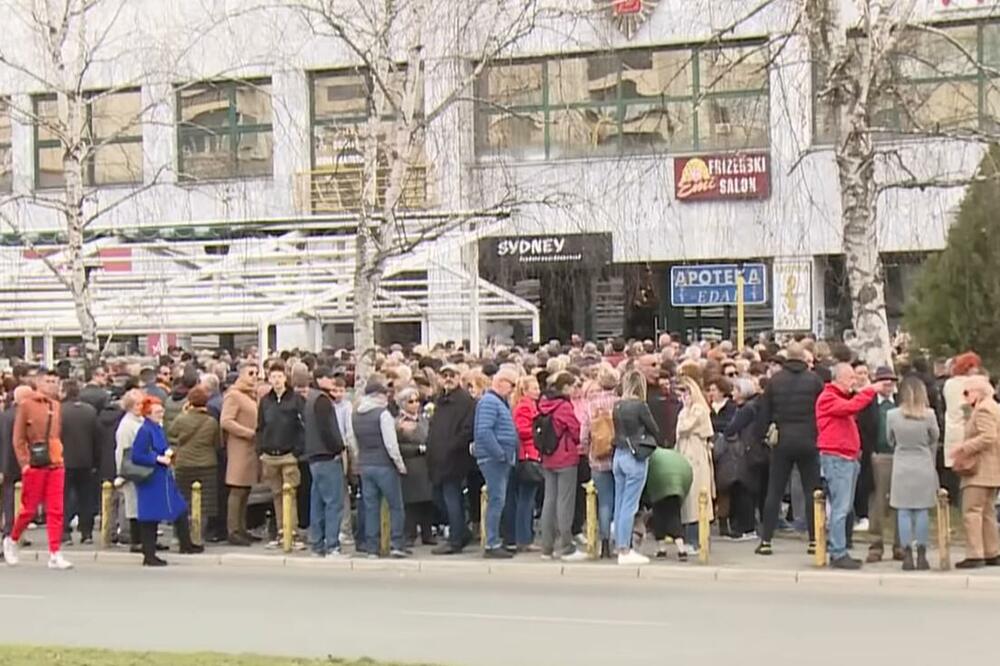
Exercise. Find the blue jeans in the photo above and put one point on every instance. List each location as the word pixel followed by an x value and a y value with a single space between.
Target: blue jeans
pixel 630 479
pixel 841 477
pixel 519 511
pixel 605 484
pixel 497 474
pixel 907 518
pixel 326 496
pixel 378 483
pixel 453 498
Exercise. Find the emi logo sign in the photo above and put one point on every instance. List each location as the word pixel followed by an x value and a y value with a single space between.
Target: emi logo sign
pixel 628 15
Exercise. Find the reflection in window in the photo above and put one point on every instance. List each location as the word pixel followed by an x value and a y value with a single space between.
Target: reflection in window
pixel 224 130
pixel 629 102
pixel 111 127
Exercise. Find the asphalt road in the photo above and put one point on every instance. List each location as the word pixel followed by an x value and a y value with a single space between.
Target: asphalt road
pixel 470 620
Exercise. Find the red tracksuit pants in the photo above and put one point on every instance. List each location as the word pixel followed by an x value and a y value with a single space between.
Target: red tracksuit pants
pixel 42 486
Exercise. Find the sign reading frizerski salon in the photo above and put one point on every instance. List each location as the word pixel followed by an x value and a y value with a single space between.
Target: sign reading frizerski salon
pixel 722 177
pixel 710 285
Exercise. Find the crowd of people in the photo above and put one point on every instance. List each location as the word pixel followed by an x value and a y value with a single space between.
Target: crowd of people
pixel 654 425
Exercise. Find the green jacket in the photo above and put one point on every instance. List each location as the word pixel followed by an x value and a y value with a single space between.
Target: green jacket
pixel 196 438
pixel 670 475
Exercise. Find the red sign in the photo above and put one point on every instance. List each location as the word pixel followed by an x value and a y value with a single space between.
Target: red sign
pixel 627 7
pixel 116 259
pixel 722 177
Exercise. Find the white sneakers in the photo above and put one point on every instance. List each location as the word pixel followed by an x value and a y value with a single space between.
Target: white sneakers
pixel 632 558
pixel 576 556
pixel 57 561
pixel 10 551
pixel 10 555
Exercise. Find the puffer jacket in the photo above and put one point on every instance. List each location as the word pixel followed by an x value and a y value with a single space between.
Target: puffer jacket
pixel 495 435
pixel 789 401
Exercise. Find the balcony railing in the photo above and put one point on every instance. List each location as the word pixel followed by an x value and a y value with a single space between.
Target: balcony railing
pixel 337 189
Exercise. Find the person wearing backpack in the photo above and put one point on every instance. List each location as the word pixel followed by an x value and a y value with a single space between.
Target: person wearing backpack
pixel 597 436
pixel 557 436
pixel 636 437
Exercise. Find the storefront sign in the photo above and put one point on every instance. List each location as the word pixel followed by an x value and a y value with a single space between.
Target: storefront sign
pixel 715 284
pixel 960 4
pixel 792 293
pixel 629 15
pixel 722 177
pixel 569 249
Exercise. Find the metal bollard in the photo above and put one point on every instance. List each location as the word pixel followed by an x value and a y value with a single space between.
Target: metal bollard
pixel 704 527
pixel 483 504
pixel 196 513
pixel 288 533
pixel 385 529
pixel 944 529
pixel 18 487
pixel 592 535
pixel 107 495
pixel 819 526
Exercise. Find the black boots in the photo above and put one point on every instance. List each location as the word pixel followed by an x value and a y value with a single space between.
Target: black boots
pixel 908 559
pixel 605 549
pixel 183 528
pixel 922 563
pixel 147 534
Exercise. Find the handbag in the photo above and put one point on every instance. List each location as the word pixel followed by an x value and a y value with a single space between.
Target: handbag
pixel 39 456
pixel 529 471
pixel 131 471
pixel 965 465
pixel 640 449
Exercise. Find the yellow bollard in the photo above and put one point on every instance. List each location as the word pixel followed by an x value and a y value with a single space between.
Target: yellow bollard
pixel 819 526
pixel 592 536
pixel 107 495
pixel 483 503
pixel 288 533
pixel 196 513
pixel 17 498
pixel 385 530
pixel 944 529
pixel 703 527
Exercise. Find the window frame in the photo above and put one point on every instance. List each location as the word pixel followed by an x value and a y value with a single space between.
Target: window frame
pixel 89 177
pixel 232 130
pixel 697 98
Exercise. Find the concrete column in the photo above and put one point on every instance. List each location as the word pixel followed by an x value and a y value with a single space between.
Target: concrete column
pixel 49 350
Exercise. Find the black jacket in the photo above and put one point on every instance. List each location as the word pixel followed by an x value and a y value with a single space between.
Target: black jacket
pixel 8 462
pixel 279 424
pixel 80 436
pixel 95 396
pixel 721 419
pixel 635 423
pixel 665 408
pixel 789 401
pixel 449 436
pixel 107 425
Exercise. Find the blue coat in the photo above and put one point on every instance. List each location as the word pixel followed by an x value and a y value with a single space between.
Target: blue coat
pixel 158 497
pixel 495 435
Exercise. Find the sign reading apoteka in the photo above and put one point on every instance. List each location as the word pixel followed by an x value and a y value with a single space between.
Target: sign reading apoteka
pixel 722 177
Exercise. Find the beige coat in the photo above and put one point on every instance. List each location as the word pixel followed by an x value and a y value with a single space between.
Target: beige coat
pixel 982 440
pixel 694 432
pixel 239 427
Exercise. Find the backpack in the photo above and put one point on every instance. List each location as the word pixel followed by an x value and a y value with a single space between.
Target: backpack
pixel 602 434
pixel 543 432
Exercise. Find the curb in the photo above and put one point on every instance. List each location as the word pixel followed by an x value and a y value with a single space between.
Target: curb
pixel 581 572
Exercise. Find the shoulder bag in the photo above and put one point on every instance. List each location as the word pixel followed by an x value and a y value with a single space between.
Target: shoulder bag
pixel 39 456
pixel 130 471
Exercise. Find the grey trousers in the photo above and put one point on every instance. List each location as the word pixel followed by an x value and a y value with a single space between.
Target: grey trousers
pixel 558 509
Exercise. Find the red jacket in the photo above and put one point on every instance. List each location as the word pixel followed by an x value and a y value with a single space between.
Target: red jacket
pixel 837 429
pixel 30 426
pixel 524 417
pixel 568 451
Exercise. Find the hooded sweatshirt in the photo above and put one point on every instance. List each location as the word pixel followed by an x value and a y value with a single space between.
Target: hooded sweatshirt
pixel 375 434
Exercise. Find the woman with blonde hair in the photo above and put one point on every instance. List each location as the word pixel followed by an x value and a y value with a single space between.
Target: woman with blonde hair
pixel 694 436
pixel 526 477
pixel 912 431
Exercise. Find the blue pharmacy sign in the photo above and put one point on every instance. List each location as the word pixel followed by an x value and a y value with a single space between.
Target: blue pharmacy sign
pixel 710 285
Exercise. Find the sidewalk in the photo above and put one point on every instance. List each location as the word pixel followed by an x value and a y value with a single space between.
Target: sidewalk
pixel 729 562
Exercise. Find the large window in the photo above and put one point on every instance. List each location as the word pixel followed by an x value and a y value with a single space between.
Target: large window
pixel 111 127
pixel 224 130
pixel 626 102
pixel 941 80
pixel 6 171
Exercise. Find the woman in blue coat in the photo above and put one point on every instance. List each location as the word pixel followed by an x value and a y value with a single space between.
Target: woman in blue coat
pixel 158 497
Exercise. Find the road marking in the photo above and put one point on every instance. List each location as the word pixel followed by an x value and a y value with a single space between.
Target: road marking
pixel 535 618
pixel 22 597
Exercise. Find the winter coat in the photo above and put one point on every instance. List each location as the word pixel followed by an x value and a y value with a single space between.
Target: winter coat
pixel 665 408
pixel 279 424
pixel 196 438
pixel 956 414
pixel 417 485
pixel 125 434
pixel 239 423
pixel 81 437
pixel 215 406
pixel 173 406
pixel 789 402
pixel 449 436
pixel 670 475
pixel 158 497
pixel 494 433
pixel 836 424
pixel 914 476
pixel 982 441
pixel 752 453
pixel 8 462
pixel 32 423
pixel 567 427
pixel 107 425
pixel 524 419
pixel 694 434
pixel 722 417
